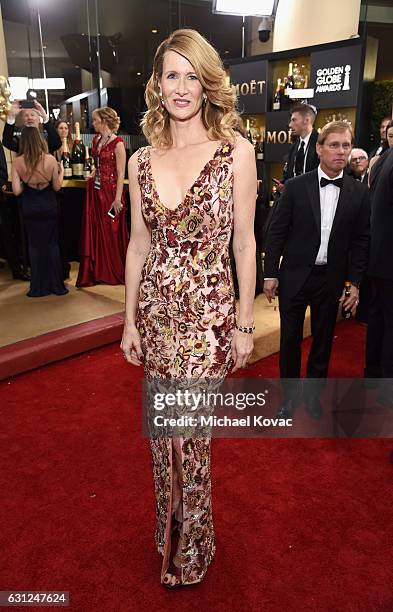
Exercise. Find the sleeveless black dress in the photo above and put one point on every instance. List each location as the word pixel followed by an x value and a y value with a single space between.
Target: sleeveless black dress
pixel 39 210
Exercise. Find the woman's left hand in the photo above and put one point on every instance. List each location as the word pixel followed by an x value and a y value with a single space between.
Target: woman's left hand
pixel 242 347
pixel 118 206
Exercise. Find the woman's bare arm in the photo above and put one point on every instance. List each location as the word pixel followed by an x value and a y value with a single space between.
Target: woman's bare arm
pixel 120 154
pixel 138 247
pixel 244 198
pixel 17 186
pixel 57 173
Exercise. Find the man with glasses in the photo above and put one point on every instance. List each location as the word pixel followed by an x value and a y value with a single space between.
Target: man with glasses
pixel 358 165
pixel 321 230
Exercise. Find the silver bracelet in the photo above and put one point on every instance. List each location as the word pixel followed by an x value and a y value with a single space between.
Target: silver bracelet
pixel 246 330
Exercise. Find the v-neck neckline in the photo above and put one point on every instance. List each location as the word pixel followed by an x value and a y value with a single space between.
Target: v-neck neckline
pixel 188 192
pixel 106 144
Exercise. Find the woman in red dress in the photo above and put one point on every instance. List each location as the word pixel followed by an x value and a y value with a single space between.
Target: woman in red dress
pixel 104 237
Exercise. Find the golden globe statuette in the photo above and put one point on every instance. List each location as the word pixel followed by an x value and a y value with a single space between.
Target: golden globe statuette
pixel 5 93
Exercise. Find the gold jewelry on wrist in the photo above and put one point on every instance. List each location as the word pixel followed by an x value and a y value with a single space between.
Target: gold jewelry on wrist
pixel 246 330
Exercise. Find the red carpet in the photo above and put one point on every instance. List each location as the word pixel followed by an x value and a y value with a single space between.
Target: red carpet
pixel 302 525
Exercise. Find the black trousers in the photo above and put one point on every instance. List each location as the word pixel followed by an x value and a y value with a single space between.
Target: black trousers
pixel 12 236
pixel 323 307
pixel 379 344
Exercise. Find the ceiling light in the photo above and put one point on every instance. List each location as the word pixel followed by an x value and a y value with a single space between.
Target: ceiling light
pixel 246 7
pixel 154 31
pixel 138 73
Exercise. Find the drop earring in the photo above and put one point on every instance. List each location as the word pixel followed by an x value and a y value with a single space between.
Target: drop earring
pixel 204 99
pixel 162 99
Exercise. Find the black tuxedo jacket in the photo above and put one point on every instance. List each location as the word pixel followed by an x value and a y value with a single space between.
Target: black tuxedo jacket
pixel 381 189
pixel 312 159
pixel 373 151
pixel 353 175
pixel 295 234
pixel 12 142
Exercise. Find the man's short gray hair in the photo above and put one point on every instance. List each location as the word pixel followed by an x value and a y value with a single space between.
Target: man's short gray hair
pixel 357 153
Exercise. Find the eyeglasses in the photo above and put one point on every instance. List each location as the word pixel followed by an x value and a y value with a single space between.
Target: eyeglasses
pixel 357 160
pixel 334 146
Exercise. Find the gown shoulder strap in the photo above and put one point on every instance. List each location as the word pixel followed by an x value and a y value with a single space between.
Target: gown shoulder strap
pixel 143 160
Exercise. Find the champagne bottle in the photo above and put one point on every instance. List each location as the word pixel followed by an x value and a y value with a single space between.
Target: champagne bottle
pixel 87 168
pixel 346 314
pixel 277 96
pixel 297 77
pixel 304 77
pixel 260 149
pixel 66 159
pixel 290 81
pixel 78 155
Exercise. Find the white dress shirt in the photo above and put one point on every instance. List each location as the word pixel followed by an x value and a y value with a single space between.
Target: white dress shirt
pixel 328 197
pixel 306 140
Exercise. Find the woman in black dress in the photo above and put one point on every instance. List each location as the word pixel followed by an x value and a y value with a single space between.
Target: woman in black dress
pixel 36 176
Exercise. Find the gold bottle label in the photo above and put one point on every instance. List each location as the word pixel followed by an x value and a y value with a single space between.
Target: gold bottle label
pixel 77 169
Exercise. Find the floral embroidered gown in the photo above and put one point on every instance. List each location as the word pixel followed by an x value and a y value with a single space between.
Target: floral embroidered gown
pixel 186 318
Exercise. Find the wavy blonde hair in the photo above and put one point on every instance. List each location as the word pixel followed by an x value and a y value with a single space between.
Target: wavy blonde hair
pixel 109 116
pixel 219 114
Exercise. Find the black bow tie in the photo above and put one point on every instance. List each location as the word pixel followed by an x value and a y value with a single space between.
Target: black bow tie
pixel 337 182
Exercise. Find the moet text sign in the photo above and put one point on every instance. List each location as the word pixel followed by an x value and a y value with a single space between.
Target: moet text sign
pixel 250 82
pixel 277 136
pixel 335 77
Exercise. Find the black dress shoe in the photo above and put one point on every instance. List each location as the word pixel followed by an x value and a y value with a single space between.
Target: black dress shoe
pixel 313 406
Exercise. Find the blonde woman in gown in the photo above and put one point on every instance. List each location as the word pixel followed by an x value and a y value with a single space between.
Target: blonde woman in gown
pixel 193 186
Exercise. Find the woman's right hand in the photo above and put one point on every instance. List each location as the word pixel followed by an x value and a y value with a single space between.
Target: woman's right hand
pixel 131 345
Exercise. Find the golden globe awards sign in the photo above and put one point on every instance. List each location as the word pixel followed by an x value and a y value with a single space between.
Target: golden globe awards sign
pixel 250 82
pixel 335 77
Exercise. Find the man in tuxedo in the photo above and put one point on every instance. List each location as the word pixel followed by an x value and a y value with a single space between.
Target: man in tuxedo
pixel 302 156
pixel 382 146
pixel 32 118
pixel 379 346
pixel 321 229
pixel 358 165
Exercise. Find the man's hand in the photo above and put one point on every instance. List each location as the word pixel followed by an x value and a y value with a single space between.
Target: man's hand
pixel 279 186
pixel 270 288
pixel 41 111
pixel 352 300
pixel 14 110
